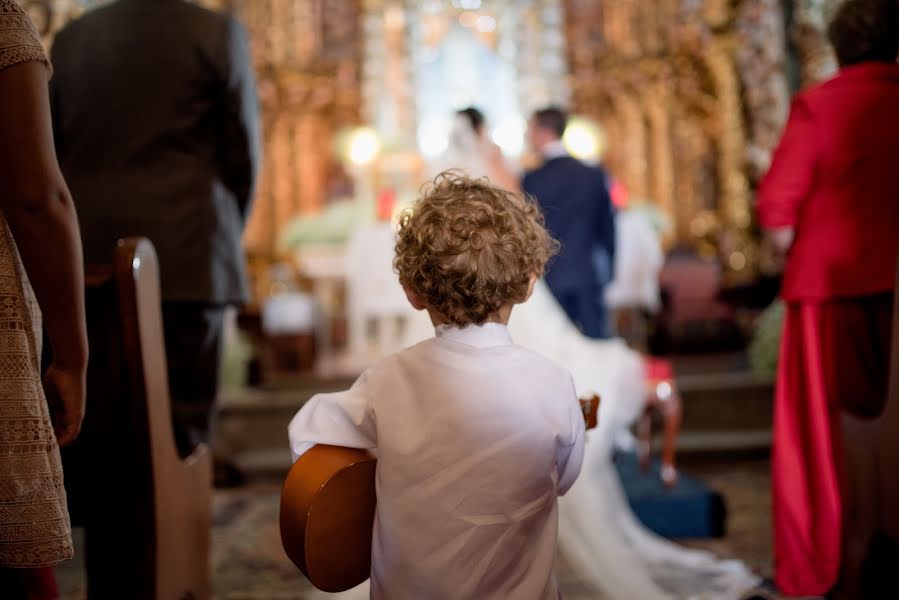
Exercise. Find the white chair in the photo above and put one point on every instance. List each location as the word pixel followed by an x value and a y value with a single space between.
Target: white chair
pixel 374 294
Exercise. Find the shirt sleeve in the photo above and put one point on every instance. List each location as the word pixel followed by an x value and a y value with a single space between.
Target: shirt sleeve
pixel 790 178
pixel 570 447
pixel 338 419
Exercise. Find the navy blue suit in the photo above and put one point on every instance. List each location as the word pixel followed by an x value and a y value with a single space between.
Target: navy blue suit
pixel 578 210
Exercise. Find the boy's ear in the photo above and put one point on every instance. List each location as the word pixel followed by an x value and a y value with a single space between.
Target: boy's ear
pixel 531 285
pixel 414 300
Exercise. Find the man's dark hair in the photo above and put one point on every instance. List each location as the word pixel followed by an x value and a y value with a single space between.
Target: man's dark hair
pixel 553 118
pixel 865 30
pixel 474 116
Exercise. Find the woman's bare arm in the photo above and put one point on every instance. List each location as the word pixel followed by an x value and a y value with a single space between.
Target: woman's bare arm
pixel 41 216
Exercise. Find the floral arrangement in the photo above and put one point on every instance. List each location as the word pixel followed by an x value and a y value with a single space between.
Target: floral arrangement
pixel 332 226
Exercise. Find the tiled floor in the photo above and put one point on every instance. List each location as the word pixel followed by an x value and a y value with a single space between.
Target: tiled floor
pixel 249 564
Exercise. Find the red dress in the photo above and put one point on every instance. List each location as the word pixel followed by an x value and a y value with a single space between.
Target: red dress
pixel 28 584
pixel 835 179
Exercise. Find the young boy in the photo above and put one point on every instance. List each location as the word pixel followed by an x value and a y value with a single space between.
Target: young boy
pixel 475 436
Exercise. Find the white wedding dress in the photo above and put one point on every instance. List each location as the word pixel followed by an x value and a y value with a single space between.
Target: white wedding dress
pixel 608 549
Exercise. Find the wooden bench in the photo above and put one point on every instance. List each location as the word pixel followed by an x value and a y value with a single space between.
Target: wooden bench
pixel 146 512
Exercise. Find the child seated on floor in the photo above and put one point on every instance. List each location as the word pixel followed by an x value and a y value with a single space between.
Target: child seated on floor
pixel 475 436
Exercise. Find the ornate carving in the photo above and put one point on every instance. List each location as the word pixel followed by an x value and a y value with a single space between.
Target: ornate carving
pixel 307 55
pixel 693 96
pixel 809 34
pixel 761 57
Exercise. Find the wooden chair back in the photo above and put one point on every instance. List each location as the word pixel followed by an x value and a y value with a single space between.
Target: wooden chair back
pixel 146 512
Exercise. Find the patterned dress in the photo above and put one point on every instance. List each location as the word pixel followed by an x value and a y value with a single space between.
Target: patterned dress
pixel 34 521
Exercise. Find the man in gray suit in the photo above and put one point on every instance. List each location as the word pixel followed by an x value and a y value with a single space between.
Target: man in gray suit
pixel 157 131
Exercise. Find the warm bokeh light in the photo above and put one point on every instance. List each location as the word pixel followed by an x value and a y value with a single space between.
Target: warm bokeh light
pixel 364 146
pixel 737 261
pixel 509 135
pixel 583 139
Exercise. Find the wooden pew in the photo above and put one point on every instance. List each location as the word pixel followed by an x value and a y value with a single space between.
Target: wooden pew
pixel 146 512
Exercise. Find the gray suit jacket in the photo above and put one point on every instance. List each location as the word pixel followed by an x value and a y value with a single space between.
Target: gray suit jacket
pixel 157 131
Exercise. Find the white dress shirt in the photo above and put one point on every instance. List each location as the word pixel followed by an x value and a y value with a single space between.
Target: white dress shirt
pixel 475 437
pixel 555 149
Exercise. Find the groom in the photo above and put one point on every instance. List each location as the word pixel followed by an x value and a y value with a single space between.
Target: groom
pixel 578 210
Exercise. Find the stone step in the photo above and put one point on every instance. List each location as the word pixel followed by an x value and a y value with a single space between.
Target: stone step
pixel 273 463
pixel 736 401
pixel 266 463
pixel 712 398
pixel 256 419
pixel 724 411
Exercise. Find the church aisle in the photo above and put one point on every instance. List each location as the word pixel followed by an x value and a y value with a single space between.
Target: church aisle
pixel 746 487
pixel 248 562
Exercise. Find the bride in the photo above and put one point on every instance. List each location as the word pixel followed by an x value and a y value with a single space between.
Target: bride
pixel 605 545
pixel 470 150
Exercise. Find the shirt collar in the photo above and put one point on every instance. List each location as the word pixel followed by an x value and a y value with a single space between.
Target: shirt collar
pixel 479 336
pixel 555 149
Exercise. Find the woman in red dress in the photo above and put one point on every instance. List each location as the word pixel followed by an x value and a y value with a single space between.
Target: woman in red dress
pixel 831 200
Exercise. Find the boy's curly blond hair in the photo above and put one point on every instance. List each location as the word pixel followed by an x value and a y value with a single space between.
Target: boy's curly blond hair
pixel 467 247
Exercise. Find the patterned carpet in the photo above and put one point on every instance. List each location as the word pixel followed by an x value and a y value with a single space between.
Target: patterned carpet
pixel 249 564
